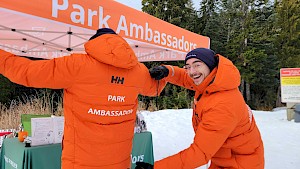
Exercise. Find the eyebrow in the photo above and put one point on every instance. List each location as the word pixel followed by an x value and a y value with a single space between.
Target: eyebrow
pixel 195 62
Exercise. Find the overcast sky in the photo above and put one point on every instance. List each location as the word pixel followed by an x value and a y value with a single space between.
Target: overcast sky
pixel 137 4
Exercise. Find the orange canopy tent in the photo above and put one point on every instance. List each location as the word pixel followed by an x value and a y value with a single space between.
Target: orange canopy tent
pixel 54 28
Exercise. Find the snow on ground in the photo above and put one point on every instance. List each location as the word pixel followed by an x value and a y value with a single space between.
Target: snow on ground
pixel 172 132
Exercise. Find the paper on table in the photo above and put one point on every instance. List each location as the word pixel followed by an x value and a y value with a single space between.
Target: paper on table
pixel 58 128
pixel 47 130
pixel 42 131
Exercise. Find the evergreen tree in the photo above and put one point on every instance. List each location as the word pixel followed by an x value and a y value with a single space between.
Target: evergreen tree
pixel 261 38
pixel 249 45
pixel 288 33
pixel 212 25
pixel 180 13
pixel 207 9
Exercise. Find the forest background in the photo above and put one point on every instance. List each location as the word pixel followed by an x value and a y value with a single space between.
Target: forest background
pixel 258 36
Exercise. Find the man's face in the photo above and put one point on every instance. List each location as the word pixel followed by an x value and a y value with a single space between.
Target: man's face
pixel 197 70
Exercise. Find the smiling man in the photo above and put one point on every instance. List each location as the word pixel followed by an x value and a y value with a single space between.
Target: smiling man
pixel 225 130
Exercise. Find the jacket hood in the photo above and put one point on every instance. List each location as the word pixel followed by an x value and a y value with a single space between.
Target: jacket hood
pixel 113 50
pixel 227 76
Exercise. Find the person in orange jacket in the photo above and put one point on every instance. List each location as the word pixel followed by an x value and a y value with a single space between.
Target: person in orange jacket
pixel 225 130
pixel 101 91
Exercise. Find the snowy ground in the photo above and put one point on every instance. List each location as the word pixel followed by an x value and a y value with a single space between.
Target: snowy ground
pixel 172 132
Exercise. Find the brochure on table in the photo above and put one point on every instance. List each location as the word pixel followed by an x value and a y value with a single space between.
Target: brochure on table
pixel 47 130
pixel 26 120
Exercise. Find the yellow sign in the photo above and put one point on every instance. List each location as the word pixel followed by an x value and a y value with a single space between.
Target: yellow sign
pixel 290 85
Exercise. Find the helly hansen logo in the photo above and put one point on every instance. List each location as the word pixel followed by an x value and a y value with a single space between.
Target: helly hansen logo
pixel 117 80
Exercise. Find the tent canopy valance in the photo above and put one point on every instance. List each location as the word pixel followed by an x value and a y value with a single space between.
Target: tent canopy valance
pixel 54 28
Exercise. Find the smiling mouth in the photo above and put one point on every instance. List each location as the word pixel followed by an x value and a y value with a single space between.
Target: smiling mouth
pixel 196 77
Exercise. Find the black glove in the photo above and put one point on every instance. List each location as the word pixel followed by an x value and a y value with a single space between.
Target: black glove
pixel 143 165
pixel 159 72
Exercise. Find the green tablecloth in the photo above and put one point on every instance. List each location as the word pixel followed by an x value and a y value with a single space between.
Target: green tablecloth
pixel 14 155
pixel 142 149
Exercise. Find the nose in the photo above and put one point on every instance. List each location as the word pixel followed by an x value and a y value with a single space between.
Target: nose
pixel 191 72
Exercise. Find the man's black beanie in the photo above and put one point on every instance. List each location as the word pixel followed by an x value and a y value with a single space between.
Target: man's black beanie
pixel 205 55
pixel 103 31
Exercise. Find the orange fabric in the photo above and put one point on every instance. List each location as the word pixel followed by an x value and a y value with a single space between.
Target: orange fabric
pixel 225 129
pixel 100 98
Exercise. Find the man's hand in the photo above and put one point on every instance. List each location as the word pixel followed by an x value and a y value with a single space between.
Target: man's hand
pixel 143 165
pixel 159 72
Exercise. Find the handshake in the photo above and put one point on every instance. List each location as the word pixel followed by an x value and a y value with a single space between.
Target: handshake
pixel 159 72
pixel 143 165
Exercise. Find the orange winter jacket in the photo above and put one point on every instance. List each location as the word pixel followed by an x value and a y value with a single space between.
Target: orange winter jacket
pixel 101 91
pixel 225 129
